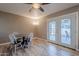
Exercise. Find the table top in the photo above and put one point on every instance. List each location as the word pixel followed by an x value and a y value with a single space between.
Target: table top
pixel 20 36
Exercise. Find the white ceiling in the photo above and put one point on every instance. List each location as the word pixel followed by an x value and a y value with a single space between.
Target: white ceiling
pixel 22 9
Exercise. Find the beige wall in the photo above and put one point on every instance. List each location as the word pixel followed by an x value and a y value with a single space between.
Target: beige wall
pixel 12 23
pixel 42 28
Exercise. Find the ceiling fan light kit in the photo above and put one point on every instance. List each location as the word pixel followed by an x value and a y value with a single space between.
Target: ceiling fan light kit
pixel 37 6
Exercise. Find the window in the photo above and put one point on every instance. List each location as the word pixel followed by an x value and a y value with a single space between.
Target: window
pixel 52 30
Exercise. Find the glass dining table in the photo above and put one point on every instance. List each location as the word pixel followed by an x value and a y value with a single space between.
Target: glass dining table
pixel 20 37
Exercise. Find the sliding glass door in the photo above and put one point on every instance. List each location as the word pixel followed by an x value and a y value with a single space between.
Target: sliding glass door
pixel 68 30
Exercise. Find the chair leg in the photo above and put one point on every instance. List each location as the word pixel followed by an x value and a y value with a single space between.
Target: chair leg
pixel 15 49
pixel 30 44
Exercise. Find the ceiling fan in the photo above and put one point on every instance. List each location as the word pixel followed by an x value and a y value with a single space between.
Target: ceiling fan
pixel 37 6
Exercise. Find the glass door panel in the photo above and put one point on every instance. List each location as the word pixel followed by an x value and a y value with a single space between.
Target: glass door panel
pixel 65 31
pixel 51 30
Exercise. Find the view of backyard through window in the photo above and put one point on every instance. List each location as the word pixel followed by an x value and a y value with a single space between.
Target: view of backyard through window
pixel 65 31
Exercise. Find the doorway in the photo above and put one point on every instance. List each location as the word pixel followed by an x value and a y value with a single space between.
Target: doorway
pixel 62 30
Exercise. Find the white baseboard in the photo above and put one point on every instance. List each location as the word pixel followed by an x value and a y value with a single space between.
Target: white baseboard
pixel 9 42
pixel 52 42
pixel 35 37
pixel 5 43
pixel 77 49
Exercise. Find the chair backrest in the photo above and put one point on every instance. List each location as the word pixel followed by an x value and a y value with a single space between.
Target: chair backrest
pixel 30 36
pixel 11 38
pixel 13 34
